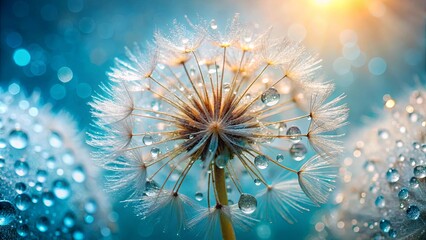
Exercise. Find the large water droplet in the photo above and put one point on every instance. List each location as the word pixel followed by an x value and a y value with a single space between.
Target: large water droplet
pixel 261 162
pixel 78 174
pixel 21 168
pixel 385 225
pixel 7 213
pixel 294 133
pixel 413 212
pixel 155 152
pixel 18 139
pixel 380 202
pixel 23 202
pixel 61 189
pixel 270 97
pixel 221 161
pixel 199 196
pixel 420 171
pixel 414 182
pixel 55 140
pixel 392 175
pixel 147 140
pixel 403 194
pixel 298 151
pixel 23 230
pixel 48 199
pixel 20 187
pixel 41 176
pixel 42 224
pixel 247 203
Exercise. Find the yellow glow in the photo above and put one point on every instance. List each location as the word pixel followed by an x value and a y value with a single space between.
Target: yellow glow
pixel 323 2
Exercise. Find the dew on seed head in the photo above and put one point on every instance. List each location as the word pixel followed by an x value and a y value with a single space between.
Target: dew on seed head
pixel 199 196
pixel 270 97
pixel 392 175
pixel 18 139
pixel 23 202
pixel 147 140
pixel 413 212
pixel 261 162
pixel 385 225
pixel 43 224
pixel 7 213
pixel 247 203
pixel 294 133
pixel 61 189
pixel 419 171
pixel 55 140
pixel 298 151
pixel 21 168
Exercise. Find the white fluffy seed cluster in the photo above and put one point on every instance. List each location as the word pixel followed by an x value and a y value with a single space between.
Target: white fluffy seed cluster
pixel 48 188
pixel 209 104
pixel 383 192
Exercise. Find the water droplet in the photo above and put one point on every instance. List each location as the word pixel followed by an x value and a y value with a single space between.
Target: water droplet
pixel 48 199
pixel 221 161
pixel 247 203
pixel 51 162
pixel 155 152
pixel 69 220
pixel 61 189
pixel 55 140
pixel 21 168
pixel 90 206
pixel 392 175
pixel 399 143
pixel 23 202
pixel 380 202
pixel 226 87
pixel 298 151
pixel 68 158
pixel 414 182
pixel 147 140
pixel 257 182
pixel 213 24
pixel 416 145
pixel 294 133
pixel 420 171
pixel 42 224
pixel 385 225
pixel 199 196
pixel 3 144
pixel 20 187
pixel 392 233
pixel 23 230
pixel 280 158
pixel 270 97
pixel 151 188
pixel 261 162
pixel 383 133
pixel 413 212
pixel 18 139
pixel 403 194
pixel 7 213
pixel 77 235
pixel 369 166
pixel 78 174
pixel 41 176
pixel 2 162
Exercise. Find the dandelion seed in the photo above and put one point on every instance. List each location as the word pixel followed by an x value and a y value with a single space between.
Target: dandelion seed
pixel 223 99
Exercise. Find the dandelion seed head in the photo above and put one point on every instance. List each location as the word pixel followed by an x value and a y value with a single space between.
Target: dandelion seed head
pixel 214 109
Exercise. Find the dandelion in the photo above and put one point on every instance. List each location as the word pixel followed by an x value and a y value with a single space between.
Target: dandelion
pixel 383 190
pixel 211 112
pixel 47 182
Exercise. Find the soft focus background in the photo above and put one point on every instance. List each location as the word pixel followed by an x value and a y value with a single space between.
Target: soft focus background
pixel 63 49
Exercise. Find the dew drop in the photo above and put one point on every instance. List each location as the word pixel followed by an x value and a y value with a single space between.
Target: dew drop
pixel 51 162
pixel 414 182
pixel 41 176
pixel 18 139
pixel 392 175
pixel 61 189
pixel 383 133
pixel 147 140
pixel 48 199
pixel 247 203
pixel 213 24
pixel 2 162
pixel 23 230
pixel 385 225
pixel 257 182
pixel 293 133
pixel 199 196
pixel 221 161
pixel 380 202
pixel 90 206
pixel 403 194
pixel 77 235
pixel 369 166
pixel 42 224
pixel 68 158
pixel 7 213
pixel 261 162
pixel 78 174
pixel 413 212
pixel 226 87
pixel 298 151
pixel 280 157
pixel 392 233
pixel 151 188
pixel 20 187
pixel 155 152
pixel 419 171
pixel 55 140
pixel 3 144
pixel 270 97
pixel 23 202
pixel 69 220
pixel 21 168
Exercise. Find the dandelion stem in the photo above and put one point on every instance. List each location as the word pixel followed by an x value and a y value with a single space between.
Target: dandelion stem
pixel 220 185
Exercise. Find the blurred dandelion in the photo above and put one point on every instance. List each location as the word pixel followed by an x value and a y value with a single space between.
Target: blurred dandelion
pixel 213 107
pixel 47 184
pixel 383 191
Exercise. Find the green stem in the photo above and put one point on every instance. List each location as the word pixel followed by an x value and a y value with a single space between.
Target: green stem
pixel 220 185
